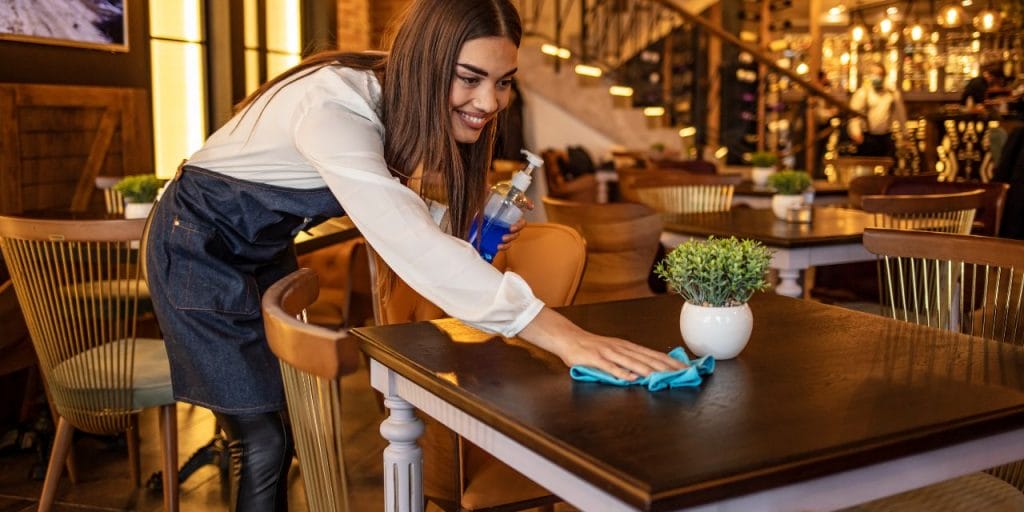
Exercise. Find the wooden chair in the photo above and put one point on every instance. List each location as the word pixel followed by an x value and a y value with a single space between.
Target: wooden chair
pixel 622 240
pixel 989 216
pixel 113 201
pixel 458 475
pixel 694 166
pixel 962 283
pixel 944 213
pixel 582 188
pixel 873 185
pixel 313 359
pixel 678 191
pixel 345 296
pixel 78 283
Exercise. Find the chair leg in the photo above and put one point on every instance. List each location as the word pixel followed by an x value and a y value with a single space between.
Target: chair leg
pixel 69 460
pixel 132 436
pixel 169 438
pixel 59 452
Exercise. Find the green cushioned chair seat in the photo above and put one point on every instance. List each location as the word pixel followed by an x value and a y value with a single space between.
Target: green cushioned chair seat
pixel 151 379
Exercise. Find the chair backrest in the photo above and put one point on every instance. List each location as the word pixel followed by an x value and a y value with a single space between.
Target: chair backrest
pixel 550 257
pixel 78 283
pixel 946 213
pixel 113 201
pixel 989 216
pixel 694 166
pixel 877 184
pixel 622 240
pixel 670 191
pixel 313 359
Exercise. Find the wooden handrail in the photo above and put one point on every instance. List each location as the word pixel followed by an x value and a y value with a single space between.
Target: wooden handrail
pixel 758 55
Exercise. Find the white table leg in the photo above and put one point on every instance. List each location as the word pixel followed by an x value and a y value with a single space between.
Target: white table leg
pixel 403 458
pixel 787 283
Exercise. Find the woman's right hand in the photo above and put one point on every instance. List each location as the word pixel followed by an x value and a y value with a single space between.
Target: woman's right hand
pixel 575 346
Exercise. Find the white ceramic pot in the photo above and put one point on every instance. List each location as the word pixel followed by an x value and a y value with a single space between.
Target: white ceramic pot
pixel 759 175
pixel 782 203
pixel 137 210
pixel 720 332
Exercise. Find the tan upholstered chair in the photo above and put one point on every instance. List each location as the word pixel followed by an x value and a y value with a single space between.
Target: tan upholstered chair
pixel 962 283
pixel 458 475
pixel 313 359
pixel 78 283
pixel 622 240
pixel 944 213
pixel 678 191
pixel 345 296
pixel 582 188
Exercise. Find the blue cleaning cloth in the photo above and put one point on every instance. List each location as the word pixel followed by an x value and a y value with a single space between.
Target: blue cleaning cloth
pixel 656 381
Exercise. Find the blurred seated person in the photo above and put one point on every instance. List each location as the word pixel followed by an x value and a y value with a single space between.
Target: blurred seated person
pixel 881 105
pixel 989 82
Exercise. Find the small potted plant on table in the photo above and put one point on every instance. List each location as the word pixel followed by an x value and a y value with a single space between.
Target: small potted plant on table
pixel 717 278
pixel 764 163
pixel 790 188
pixel 139 192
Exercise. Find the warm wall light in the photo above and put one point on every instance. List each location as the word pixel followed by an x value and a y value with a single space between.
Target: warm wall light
pixel 721 152
pixel 585 70
pixel 916 32
pixel 857 33
pixel 951 16
pixel 885 26
pixel 654 111
pixel 802 68
pixel 689 131
pixel 620 90
pixel 988 20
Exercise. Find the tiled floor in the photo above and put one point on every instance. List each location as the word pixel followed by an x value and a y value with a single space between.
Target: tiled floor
pixel 106 486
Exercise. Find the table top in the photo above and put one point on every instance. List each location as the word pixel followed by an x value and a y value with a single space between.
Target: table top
pixel 821 188
pixel 818 390
pixel 830 225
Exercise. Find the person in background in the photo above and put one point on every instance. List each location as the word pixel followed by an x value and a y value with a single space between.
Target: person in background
pixel 364 134
pixel 881 105
pixel 977 90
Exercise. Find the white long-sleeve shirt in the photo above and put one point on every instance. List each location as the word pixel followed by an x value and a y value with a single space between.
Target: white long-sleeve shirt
pixel 325 129
pixel 881 108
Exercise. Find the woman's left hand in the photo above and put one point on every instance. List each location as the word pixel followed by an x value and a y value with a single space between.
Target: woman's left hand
pixel 513 231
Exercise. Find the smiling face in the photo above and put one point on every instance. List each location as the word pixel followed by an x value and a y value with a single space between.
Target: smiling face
pixel 482 85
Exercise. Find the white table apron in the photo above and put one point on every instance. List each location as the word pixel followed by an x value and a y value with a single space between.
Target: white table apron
pixel 790 261
pixel 403 490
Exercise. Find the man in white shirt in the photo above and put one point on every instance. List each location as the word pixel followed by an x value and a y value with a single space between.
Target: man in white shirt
pixel 882 105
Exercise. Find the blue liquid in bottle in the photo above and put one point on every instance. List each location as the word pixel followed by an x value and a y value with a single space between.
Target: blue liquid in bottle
pixel 490 238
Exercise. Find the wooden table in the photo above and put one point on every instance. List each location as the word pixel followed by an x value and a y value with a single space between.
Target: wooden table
pixel 833 237
pixel 825 408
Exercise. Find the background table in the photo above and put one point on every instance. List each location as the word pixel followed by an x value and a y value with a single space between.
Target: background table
pixel 832 237
pixel 825 408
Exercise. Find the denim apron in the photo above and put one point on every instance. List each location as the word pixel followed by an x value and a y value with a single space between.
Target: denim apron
pixel 216 243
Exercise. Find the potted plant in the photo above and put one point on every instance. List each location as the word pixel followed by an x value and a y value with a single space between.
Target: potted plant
pixel 764 163
pixel 790 187
pixel 139 192
pixel 717 278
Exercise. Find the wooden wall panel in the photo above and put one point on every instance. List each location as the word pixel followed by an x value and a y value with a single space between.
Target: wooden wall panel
pixel 55 140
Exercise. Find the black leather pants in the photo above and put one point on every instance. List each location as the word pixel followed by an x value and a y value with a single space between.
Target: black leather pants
pixel 261 453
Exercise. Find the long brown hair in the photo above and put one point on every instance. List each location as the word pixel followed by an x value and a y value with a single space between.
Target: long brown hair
pixel 417 74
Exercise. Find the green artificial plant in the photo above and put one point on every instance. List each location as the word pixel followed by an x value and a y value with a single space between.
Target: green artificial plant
pixel 718 272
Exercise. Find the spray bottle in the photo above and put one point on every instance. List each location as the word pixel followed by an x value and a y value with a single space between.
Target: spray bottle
pixel 503 208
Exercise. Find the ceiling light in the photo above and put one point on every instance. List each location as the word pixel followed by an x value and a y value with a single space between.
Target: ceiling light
pixel 857 33
pixel 689 131
pixel 951 16
pixel 885 26
pixel 585 70
pixel 654 111
pixel 916 32
pixel 620 90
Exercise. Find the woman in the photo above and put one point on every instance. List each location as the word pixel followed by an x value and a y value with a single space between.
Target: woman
pixel 344 133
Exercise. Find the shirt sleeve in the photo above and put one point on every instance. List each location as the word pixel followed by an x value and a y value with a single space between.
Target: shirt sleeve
pixel 347 150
